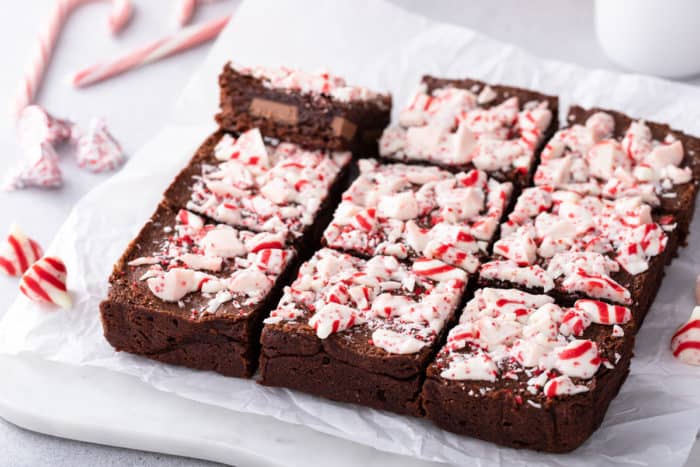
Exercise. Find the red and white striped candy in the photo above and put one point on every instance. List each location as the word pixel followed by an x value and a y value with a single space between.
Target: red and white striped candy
pixel 437 270
pixel 265 240
pixel 562 386
pixel 184 11
pixel 451 255
pixel 578 359
pixel 37 126
pixel 40 169
pixel 98 151
pixel 685 343
pixel 272 260
pixel 45 281
pixel 190 219
pixel 365 220
pixel 604 313
pixel 332 318
pixel 18 252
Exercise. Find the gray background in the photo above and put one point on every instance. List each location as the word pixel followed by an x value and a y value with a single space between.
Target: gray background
pixel 559 29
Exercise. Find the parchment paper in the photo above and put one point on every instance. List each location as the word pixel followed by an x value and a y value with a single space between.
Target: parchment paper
pixel 656 416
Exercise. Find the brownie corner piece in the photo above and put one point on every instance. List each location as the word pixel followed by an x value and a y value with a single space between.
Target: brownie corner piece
pixel 460 124
pixel 314 110
pixel 521 371
pixel 194 293
pixel 360 331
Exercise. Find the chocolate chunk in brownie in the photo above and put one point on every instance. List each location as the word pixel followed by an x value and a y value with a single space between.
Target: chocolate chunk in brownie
pixel 314 110
pixel 460 124
pixel 361 331
pixel 194 293
pixel 244 182
pixel 574 246
pixel 607 153
pixel 522 371
pixel 412 211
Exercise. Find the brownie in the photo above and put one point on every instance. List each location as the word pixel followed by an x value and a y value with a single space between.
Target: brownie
pixel 194 293
pixel 314 110
pixel 572 246
pixel 522 371
pixel 460 124
pixel 411 211
pixel 247 182
pixel 607 153
pixel 360 331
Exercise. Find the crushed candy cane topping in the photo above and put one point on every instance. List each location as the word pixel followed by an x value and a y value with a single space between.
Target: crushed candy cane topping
pixel 507 333
pixel 417 211
pixel 402 307
pixel 222 263
pixel 318 82
pixel 265 188
pixel 588 159
pixel 579 240
pixel 453 126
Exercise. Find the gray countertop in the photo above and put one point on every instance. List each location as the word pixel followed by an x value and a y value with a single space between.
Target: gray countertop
pixel 559 29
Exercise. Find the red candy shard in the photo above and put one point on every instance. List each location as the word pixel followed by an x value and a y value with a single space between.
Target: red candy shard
pixel 98 151
pixel 18 252
pixel 45 281
pixel 40 169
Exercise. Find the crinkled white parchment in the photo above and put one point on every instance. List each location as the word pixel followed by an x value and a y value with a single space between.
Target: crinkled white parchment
pixel 655 418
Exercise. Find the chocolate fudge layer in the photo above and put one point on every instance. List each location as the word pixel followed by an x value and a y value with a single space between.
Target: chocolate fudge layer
pixel 521 371
pixel 607 153
pixel 193 293
pixel 276 188
pixel 573 246
pixel 314 110
pixel 360 331
pixel 412 211
pixel 465 124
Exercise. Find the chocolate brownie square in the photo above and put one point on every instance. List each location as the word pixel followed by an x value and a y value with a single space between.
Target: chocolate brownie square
pixel 607 153
pixel 194 293
pixel 460 124
pixel 360 331
pixel 413 211
pixel 245 182
pixel 523 371
pixel 573 246
pixel 314 110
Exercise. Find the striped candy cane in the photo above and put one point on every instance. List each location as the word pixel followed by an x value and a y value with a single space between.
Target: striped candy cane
pixel 48 35
pixel 165 47
pixel 185 10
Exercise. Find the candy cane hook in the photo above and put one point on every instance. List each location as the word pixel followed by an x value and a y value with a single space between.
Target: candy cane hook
pixel 48 35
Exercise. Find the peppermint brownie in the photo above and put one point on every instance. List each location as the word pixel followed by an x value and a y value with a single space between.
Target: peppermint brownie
pixel 194 293
pixel 464 124
pixel 360 331
pixel 314 110
pixel 274 188
pixel 607 153
pixel 574 246
pixel 412 211
pixel 523 371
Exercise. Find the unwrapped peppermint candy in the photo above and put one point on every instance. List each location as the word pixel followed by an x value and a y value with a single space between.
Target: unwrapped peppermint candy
pixel 38 169
pixel 98 151
pixel 35 125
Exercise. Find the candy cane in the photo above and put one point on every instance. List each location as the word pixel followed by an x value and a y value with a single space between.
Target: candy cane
pixel 184 11
pixel 48 35
pixel 165 47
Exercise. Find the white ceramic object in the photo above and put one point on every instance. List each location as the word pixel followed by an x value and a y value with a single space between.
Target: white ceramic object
pixel 657 37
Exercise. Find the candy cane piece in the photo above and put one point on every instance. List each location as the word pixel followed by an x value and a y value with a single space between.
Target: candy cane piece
pixel 685 343
pixel 48 35
pixel 162 48
pixel 18 252
pixel 45 281
pixel 184 11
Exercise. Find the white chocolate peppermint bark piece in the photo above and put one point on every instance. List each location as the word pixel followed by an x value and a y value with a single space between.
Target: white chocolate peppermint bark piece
pixel 247 183
pixel 412 211
pixel 380 302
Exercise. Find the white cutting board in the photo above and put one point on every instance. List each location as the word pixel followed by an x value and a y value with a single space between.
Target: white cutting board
pixel 104 407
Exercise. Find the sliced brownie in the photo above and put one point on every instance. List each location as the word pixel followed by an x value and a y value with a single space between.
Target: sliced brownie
pixel 522 371
pixel 194 293
pixel 607 153
pixel 460 124
pixel 315 110
pixel 360 331
pixel 412 211
pixel 573 246
pixel 247 183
